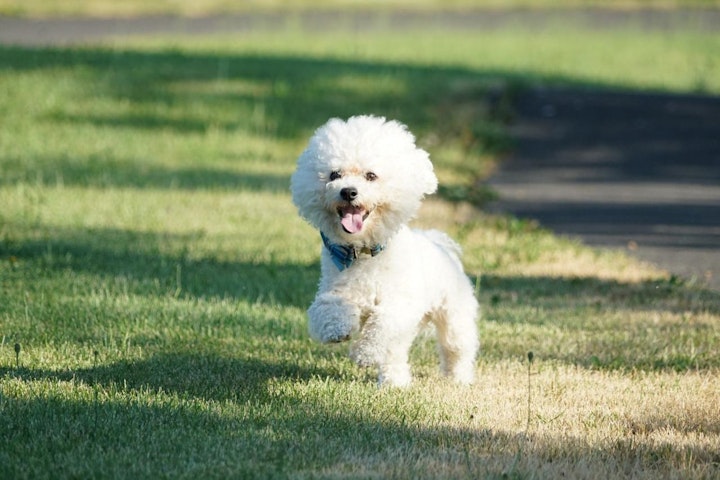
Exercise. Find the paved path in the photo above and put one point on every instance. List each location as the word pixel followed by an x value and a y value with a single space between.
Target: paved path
pixel 623 170
pixel 64 31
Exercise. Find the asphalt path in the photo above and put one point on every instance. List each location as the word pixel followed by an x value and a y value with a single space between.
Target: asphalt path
pixel 639 172
pixel 72 31
pixel 619 170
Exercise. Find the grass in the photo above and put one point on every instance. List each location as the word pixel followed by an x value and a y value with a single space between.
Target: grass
pixel 155 274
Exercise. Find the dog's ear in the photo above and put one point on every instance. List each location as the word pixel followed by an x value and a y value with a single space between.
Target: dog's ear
pixel 424 173
pixel 418 160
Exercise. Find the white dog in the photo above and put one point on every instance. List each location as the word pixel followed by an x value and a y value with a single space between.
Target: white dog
pixel 359 182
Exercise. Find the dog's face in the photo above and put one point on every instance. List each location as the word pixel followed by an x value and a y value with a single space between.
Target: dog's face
pixel 359 181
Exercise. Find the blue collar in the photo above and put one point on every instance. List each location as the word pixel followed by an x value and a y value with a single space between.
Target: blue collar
pixel 343 256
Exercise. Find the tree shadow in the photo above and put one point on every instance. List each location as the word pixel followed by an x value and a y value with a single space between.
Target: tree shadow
pixel 199 375
pixel 138 259
pixel 283 97
pixel 303 91
pixel 258 430
pixel 137 263
pixel 107 172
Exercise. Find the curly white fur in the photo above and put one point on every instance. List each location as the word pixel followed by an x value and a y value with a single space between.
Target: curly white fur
pixel 359 182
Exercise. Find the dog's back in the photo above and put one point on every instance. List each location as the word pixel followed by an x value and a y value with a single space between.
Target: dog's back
pixel 445 243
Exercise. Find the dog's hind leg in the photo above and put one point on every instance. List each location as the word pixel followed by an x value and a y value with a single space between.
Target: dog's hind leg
pixel 458 342
pixel 394 374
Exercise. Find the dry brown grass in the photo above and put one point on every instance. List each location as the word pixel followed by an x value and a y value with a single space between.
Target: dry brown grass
pixel 580 424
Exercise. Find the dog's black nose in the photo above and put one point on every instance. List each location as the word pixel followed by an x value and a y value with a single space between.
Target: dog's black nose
pixel 349 193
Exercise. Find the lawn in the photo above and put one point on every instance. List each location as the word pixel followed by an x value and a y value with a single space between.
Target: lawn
pixel 154 274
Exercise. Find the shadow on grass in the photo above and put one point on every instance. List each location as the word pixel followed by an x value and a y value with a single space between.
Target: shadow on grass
pixel 138 261
pixel 274 437
pixel 103 172
pixel 598 323
pixel 588 322
pixel 269 431
pixel 148 411
pixel 279 97
pixel 204 376
pixel 297 93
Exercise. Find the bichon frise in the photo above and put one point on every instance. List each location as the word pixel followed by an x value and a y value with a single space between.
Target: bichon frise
pixel 359 182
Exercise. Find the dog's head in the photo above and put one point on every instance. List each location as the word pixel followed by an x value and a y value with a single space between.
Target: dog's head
pixel 359 180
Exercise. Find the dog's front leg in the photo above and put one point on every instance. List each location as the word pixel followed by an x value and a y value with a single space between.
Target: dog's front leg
pixel 332 319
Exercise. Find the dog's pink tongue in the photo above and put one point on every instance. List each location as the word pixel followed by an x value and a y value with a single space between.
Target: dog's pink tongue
pixel 352 220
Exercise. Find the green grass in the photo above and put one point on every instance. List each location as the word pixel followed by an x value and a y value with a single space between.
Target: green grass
pixel 155 273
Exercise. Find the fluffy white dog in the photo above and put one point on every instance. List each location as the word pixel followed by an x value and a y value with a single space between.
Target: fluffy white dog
pixel 359 182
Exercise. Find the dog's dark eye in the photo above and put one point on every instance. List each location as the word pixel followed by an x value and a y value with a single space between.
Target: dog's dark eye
pixel 334 175
pixel 370 177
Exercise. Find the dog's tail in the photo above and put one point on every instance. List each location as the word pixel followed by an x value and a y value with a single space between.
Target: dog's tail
pixel 445 243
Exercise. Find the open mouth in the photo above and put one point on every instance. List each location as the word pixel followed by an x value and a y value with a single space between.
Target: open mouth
pixel 352 217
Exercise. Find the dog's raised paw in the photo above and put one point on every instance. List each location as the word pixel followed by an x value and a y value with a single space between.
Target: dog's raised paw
pixel 332 333
pixel 332 320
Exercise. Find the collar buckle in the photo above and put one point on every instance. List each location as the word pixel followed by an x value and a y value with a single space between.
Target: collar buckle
pixel 343 256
